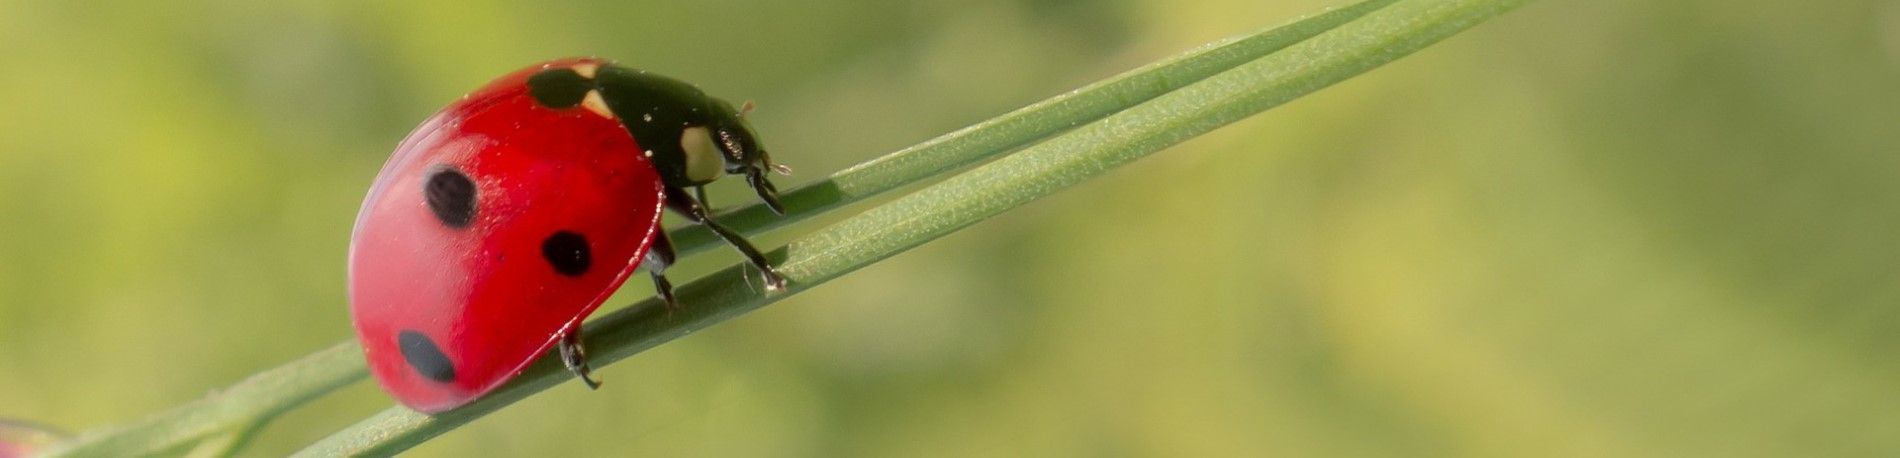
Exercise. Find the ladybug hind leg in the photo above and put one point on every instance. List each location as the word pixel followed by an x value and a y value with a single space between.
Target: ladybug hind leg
pixel 575 357
pixel 678 200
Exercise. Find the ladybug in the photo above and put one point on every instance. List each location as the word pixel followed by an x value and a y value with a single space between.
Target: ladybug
pixel 509 216
pixel 20 439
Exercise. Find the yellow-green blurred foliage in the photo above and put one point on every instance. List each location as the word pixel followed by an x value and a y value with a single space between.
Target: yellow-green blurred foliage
pixel 1606 228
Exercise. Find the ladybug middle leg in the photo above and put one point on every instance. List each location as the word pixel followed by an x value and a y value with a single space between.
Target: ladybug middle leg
pixel 659 257
pixel 678 200
pixel 575 357
pixel 699 192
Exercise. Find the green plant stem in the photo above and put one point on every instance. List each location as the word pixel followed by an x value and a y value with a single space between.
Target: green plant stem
pixel 965 199
pixel 244 405
pixel 1018 128
pixel 260 398
pixel 225 444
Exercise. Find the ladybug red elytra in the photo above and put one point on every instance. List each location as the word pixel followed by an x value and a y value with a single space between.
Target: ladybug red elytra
pixel 20 439
pixel 509 216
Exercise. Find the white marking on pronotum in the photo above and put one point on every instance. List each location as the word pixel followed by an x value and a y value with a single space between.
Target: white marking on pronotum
pixel 594 103
pixel 587 70
pixel 704 163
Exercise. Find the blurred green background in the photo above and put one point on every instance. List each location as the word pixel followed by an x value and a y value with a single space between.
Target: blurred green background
pixel 1609 228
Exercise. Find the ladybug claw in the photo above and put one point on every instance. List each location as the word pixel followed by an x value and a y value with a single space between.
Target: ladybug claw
pixel 665 289
pixel 575 358
pixel 773 282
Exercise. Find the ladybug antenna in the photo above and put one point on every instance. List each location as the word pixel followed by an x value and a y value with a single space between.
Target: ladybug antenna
pixel 766 161
pixel 746 108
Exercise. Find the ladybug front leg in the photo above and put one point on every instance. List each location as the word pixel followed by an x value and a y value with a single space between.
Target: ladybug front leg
pixel 575 357
pixel 767 192
pixel 679 201
pixel 658 258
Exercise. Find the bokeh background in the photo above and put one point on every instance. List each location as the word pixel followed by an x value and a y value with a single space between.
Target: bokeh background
pixel 1606 228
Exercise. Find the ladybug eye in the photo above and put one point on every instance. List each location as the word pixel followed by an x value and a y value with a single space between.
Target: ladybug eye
pixel 426 358
pixel 451 196
pixel 567 252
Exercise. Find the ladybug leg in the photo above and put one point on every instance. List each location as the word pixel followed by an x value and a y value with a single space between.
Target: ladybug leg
pixel 677 200
pixel 767 192
pixel 658 258
pixel 699 192
pixel 575 357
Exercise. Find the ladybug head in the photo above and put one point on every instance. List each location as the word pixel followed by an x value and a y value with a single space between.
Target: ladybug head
pixel 739 145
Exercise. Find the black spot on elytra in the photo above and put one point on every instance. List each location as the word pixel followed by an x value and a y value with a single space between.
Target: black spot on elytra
pixel 559 87
pixel 567 252
pixel 423 355
pixel 451 196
